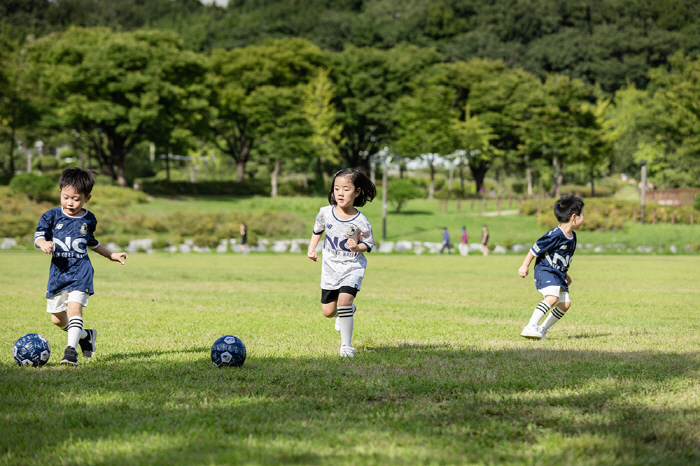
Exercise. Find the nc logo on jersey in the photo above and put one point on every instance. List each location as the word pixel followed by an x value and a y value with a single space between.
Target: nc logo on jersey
pixel 84 229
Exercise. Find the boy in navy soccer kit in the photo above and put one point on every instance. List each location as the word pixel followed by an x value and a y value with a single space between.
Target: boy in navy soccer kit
pixel 554 252
pixel 67 232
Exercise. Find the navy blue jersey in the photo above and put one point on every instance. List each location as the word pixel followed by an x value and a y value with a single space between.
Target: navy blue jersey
pixel 71 269
pixel 554 252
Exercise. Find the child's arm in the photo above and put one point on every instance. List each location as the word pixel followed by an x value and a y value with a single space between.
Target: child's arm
pixel 354 246
pixel 311 253
pixel 525 268
pixel 568 280
pixel 46 246
pixel 113 256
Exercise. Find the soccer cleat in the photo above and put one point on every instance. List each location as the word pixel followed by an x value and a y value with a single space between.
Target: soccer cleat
pixel 70 356
pixel 533 332
pixel 87 344
pixel 337 324
pixel 347 351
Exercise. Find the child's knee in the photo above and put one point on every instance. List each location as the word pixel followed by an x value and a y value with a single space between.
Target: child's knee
pixel 564 306
pixel 60 319
pixel 330 309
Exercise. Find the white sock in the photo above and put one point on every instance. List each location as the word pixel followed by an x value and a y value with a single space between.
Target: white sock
pixel 83 333
pixel 538 313
pixel 75 330
pixel 553 317
pixel 345 322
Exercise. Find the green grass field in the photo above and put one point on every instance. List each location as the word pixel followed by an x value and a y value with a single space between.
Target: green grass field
pixel 441 374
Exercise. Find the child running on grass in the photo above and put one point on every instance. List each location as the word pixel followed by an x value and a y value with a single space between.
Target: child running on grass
pixel 348 237
pixel 554 252
pixel 66 233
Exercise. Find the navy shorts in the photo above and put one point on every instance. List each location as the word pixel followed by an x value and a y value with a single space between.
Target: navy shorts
pixel 328 296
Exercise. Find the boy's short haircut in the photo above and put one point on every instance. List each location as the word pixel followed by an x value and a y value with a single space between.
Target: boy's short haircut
pixel 566 206
pixel 79 179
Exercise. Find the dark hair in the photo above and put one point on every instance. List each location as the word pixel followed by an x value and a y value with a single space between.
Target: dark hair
pixel 567 206
pixel 79 179
pixel 359 180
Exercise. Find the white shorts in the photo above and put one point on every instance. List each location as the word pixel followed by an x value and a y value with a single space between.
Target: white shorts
pixel 59 302
pixel 562 296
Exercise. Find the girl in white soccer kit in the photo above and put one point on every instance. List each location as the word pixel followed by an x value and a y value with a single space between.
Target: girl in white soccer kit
pixel 348 235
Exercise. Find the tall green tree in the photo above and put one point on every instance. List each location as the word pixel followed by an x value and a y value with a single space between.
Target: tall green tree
pixel 236 78
pixel 368 82
pixel 118 90
pixel 18 97
pixel 326 131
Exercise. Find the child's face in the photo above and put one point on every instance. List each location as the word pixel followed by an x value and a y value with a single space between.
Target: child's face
pixel 344 192
pixel 72 201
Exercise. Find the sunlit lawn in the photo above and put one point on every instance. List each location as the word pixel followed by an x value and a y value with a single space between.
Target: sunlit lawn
pixel 441 374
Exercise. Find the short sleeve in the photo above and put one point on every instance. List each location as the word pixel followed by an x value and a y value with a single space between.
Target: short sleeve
pixel 320 223
pixel 43 228
pixel 543 245
pixel 367 237
pixel 92 242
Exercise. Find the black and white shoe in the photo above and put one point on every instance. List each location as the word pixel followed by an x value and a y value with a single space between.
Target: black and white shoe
pixel 87 344
pixel 70 356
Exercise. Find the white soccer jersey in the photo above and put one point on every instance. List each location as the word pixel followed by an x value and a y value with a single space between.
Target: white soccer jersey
pixel 342 267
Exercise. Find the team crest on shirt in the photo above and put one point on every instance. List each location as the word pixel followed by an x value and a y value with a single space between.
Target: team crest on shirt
pixel 83 229
pixel 352 230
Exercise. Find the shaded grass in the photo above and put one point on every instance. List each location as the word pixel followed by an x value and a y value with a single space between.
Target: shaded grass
pixel 441 375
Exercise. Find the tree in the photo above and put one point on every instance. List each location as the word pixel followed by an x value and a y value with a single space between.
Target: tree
pixel 423 125
pixel 18 97
pixel 399 192
pixel 474 137
pixel 326 132
pixel 117 90
pixel 368 82
pixel 236 76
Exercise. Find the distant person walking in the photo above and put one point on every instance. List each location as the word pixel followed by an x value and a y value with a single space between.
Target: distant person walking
pixel 484 248
pixel 464 242
pixel 244 238
pixel 445 241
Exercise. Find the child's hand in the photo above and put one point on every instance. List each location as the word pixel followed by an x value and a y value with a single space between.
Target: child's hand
pixel 523 271
pixel 351 244
pixel 47 247
pixel 311 253
pixel 119 257
pixel 568 279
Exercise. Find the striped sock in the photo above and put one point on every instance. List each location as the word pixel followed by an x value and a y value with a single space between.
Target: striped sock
pixel 75 330
pixel 553 317
pixel 83 333
pixel 345 322
pixel 539 312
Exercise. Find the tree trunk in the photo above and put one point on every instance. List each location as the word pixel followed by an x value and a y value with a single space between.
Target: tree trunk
pixel 275 176
pixel 12 152
pixel 592 183
pixel 556 176
pixel 121 177
pixel 431 187
pixel 461 176
pixel 528 175
pixel 240 163
pixel 451 178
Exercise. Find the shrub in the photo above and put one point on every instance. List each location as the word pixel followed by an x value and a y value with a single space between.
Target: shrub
pixel 696 203
pixel 38 188
pixel 399 192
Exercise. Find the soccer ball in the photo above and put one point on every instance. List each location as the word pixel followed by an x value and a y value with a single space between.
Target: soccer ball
pixel 31 350
pixel 228 351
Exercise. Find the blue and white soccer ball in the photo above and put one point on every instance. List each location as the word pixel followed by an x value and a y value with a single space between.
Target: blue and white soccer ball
pixel 31 350
pixel 228 351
